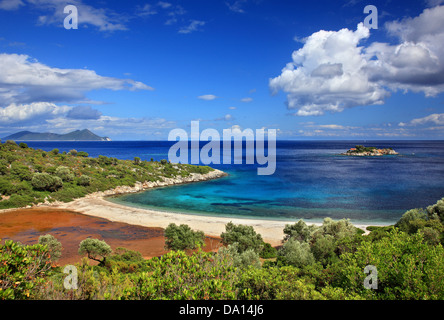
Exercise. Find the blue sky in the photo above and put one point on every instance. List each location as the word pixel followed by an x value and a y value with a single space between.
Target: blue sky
pixel 135 70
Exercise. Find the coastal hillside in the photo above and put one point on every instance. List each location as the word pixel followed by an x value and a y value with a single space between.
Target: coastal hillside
pixel 29 176
pixel 77 135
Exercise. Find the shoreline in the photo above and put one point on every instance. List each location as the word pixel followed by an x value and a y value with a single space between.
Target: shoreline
pixel 270 230
pixel 96 205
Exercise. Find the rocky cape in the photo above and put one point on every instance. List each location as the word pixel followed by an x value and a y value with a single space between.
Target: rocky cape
pixel 142 186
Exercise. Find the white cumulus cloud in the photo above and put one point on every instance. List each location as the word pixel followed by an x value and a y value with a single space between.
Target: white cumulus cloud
pixel 193 26
pixel 435 118
pixel 25 80
pixel 22 112
pixel 207 97
pixel 102 17
pixel 334 70
pixel 11 4
pixel 327 74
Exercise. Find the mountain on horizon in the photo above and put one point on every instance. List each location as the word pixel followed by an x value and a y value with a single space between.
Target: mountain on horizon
pixel 77 135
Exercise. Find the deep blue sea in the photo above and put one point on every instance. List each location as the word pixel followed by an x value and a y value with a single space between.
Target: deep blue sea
pixel 312 181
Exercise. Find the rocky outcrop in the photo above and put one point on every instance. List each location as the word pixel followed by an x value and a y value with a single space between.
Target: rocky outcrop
pixel 142 186
pixel 374 152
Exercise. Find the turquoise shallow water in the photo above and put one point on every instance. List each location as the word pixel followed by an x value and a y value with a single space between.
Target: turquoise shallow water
pixel 312 181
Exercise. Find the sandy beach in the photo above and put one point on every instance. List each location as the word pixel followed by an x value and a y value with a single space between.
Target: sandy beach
pixel 271 230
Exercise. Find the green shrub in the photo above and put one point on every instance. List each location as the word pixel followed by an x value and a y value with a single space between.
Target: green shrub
pixel 299 231
pixel 22 268
pixel 337 229
pixel 54 247
pixel 23 145
pixel 46 182
pixel 404 223
pixel 51 170
pixel 69 193
pixel 5 187
pixel 82 154
pixel 64 173
pixel 3 167
pixel 84 180
pixel 275 284
pixel 176 275
pixel 245 236
pixel 436 211
pixel 268 251
pixel 55 151
pixel 324 248
pixel 296 253
pixel 126 261
pixel 105 161
pixel 18 201
pixel 240 259
pixel 21 171
pixel 407 266
pixel 11 143
pixel 182 237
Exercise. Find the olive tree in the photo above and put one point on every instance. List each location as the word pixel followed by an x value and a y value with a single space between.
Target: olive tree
pixel 298 231
pixel 296 253
pixel 245 236
pixel 95 248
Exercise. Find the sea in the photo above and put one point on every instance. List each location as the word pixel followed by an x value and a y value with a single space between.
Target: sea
pixel 312 181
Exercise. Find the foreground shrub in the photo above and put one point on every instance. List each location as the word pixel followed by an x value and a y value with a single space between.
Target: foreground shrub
pixel 93 283
pixel 126 261
pixel 240 259
pixel 408 268
pixel 275 283
pixel 177 275
pixel 53 246
pixel 268 252
pixel 22 268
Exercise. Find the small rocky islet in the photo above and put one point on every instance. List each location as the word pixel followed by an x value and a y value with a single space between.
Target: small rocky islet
pixel 360 150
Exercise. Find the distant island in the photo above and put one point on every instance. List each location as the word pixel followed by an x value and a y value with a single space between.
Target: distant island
pixel 77 135
pixel 369 151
